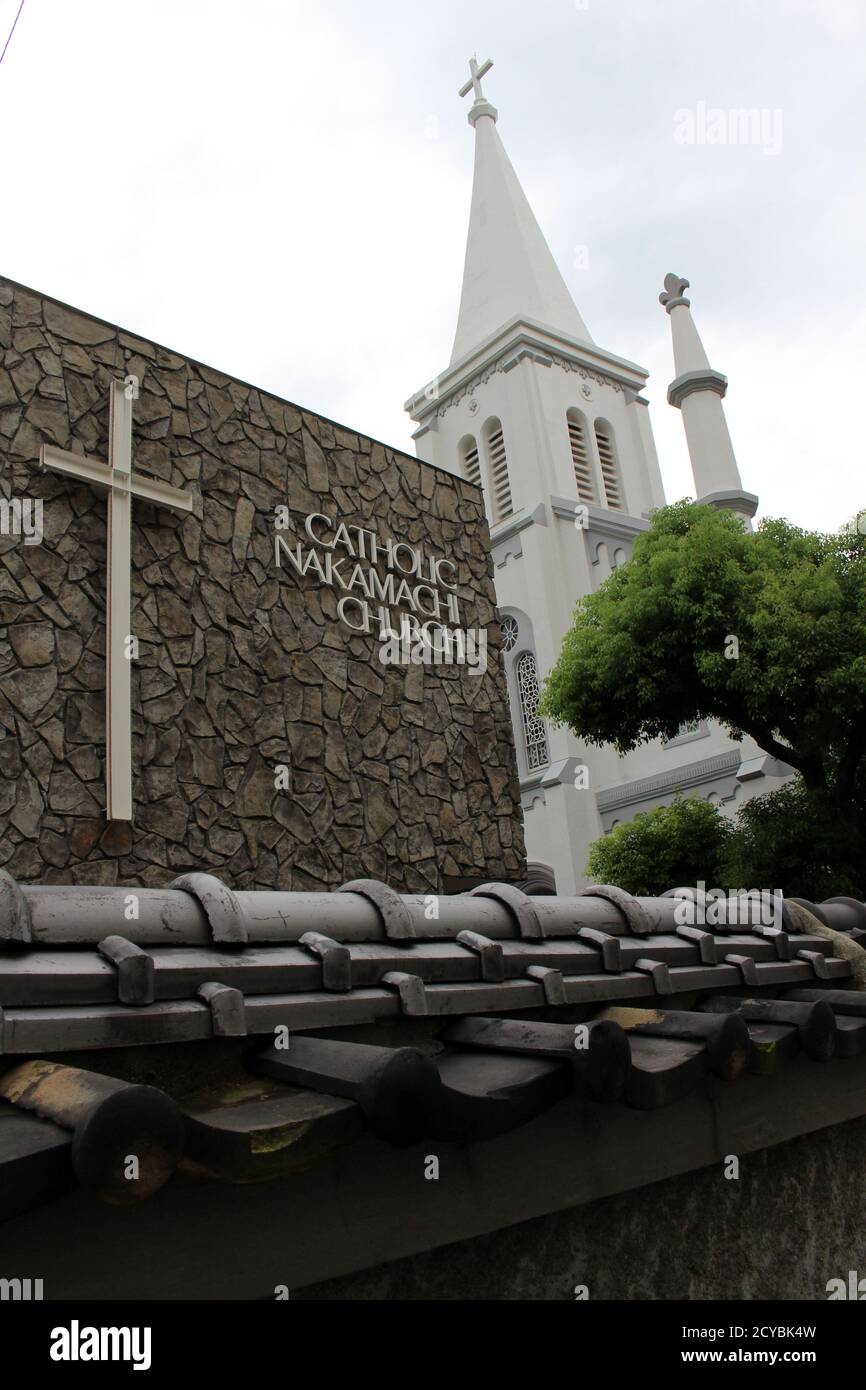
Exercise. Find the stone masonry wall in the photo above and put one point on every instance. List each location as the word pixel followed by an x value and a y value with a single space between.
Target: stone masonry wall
pixel 403 773
pixel 794 1221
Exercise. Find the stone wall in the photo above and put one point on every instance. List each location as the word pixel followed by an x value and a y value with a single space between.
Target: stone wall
pixel 793 1221
pixel 404 773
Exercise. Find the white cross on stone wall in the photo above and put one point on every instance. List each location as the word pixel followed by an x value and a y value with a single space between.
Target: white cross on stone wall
pixel 117 479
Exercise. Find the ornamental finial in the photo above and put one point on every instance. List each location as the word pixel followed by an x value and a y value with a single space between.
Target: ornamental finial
pixel 672 294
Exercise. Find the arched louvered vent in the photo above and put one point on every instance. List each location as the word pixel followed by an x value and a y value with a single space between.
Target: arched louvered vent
pixel 534 732
pixel 609 467
pixel 580 456
pixel 500 486
pixel 471 461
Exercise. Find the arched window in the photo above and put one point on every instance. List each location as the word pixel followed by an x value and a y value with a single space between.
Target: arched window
pixel 470 464
pixel 609 465
pixel 500 486
pixel 534 732
pixel 580 456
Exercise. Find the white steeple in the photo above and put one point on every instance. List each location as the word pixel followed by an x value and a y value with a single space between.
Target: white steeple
pixel 554 430
pixel 509 271
pixel 697 391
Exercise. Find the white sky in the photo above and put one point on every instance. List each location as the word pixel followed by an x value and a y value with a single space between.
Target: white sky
pixel 281 189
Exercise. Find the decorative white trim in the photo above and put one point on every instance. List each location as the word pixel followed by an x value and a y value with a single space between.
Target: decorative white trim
pixel 510 548
pixel 529 798
pixel 511 527
pixel 706 379
pixel 531 339
pixel 600 378
pixel 618 525
pixel 734 500
pixel 664 783
pixel 561 772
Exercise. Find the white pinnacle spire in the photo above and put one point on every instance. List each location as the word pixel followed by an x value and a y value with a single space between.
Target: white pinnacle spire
pixel 509 270
pixel 697 392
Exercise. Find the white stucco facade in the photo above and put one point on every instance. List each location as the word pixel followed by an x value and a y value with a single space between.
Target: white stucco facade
pixel 557 433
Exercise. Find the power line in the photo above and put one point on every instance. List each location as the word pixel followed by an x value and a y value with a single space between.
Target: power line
pixel 11 31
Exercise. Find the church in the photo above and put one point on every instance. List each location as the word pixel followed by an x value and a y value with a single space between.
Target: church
pixel 556 432
pixel 286 1009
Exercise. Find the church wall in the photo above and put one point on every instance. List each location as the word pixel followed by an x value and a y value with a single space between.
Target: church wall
pixel 402 772
pixel 714 768
pixel 645 445
pixel 659 757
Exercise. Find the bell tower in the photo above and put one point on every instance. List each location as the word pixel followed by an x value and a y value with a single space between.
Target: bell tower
pixel 555 431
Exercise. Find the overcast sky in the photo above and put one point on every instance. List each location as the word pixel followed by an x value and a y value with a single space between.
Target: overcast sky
pixel 281 189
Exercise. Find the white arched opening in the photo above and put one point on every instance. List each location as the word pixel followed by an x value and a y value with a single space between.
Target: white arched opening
pixel 609 463
pixel 501 502
pixel 581 455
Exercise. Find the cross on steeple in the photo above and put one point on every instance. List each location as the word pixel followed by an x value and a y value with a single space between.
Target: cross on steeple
pixel 474 83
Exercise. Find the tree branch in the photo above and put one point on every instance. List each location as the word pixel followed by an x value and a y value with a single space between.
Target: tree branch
pixel 812 768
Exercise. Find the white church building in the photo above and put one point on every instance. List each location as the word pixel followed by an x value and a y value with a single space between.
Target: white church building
pixel 556 431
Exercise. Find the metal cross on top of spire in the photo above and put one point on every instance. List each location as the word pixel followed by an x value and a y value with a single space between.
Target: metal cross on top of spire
pixel 477 72
pixel 480 106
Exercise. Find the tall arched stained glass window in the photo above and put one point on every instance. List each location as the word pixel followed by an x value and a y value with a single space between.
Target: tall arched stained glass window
pixel 534 732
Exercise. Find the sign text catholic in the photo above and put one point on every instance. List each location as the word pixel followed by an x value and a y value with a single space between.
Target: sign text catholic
pixel 372 575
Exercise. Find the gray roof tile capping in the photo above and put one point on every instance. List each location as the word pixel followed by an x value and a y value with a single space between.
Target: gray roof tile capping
pixel 243 1036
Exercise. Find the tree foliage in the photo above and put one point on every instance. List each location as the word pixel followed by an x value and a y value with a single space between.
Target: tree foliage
pixel 790 840
pixel 786 840
pixel 651 649
pixel 667 847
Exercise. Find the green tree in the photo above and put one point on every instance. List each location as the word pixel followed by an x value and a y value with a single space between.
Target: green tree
pixel 788 840
pixel 785 840
pixel 667 847
pixel 764 632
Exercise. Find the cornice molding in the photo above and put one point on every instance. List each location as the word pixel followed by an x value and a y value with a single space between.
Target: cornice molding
pixel 707 379
pixel 689 775
pixel 479 109
pixel 733 500
pixel 506 530
pixel 561 771
pixel 617 525
pixel 517 341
